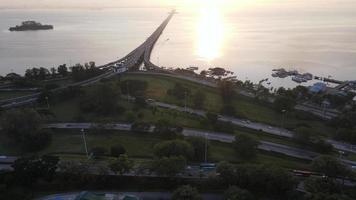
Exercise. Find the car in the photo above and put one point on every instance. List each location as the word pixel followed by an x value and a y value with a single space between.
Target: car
pixel 150 100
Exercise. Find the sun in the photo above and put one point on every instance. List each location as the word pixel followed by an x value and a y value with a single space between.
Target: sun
pixel 217 3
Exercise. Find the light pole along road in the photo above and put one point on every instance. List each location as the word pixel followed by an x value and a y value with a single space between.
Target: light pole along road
pixel 209 135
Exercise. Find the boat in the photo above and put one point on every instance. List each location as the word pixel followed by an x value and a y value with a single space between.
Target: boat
pixel 299 79
pixel 308 76
pixel 30 26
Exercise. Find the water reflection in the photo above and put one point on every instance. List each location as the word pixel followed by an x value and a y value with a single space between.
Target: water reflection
pixel 210 34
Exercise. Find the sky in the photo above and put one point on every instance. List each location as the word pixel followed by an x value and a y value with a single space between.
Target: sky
pixel 175 3
pixel 257 6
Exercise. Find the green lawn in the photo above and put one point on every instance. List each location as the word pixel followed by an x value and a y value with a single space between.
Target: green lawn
pixel 7 147
pixel 71 141
pixel 250 108
pixel 69 111
pixel 141 146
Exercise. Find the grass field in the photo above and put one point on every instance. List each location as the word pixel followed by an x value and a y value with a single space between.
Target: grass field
pixel 71 141
pixel 245 106
pixel 140 146
pixel 9 95
pixel 7 147
pixel 69 111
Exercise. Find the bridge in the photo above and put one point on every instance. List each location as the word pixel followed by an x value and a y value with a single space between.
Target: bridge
pixel 131 61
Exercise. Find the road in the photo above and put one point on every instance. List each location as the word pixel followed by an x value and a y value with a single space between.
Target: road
pixel 256 126
pixel 6 162
pixel 141 195
pixel 327 114
pixel 216 136
pixel 264 145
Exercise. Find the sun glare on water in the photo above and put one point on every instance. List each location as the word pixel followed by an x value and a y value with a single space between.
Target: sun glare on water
pixel 210 33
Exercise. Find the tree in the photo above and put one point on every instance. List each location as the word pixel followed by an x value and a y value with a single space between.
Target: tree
pixel 227 172
pixel 98 151
pixel 63 70
pixel 140 101
pixel 45 97
pixel 136 88
pixel 199 99
pixel 212 117
pixel 321 146
pixel 302 135
pixel 236 193
pixel 36 73
pixel 121 165
pixel 173 148
pixel 323 196
pixel 345 134
pixel 28 170
pixel 70 168
pixel 53 71
pixel 80 72
pixel 165 128
pixel 117 150
pixel 262 179
pixel 228 109
pixel 130 116
pixel 322 185
pixel 199 145
pixel 37 141
pixel 346 120
pixel 169 166
pixel 284 103
pixel 43 72
pixel 186 192
pixel 330 166
pixel 17 123
pixel 140 127
pixel 246 146
pixel 227 91
pixel 102 99
pixel 179 91
pixel 24 128
pixel 266 179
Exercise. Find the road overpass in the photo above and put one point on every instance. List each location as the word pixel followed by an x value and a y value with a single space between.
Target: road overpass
pixel 131 61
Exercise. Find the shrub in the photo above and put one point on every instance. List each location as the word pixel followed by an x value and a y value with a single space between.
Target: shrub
pixel 117 150
pixel 98 151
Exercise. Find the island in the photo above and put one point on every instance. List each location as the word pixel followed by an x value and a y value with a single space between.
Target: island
pixel 30 26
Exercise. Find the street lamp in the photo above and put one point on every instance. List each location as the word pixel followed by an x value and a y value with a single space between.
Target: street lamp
pixel 283 118
pixel 85 143
pixel 47 102
pixel 206 148
pixel 127 90
pixel 185 101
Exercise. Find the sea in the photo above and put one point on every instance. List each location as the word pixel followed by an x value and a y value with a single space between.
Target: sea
pixel 249 43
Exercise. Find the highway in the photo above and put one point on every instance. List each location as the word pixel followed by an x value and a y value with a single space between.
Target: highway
pixel 141 195
pixel 216 136
pixel 277 131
